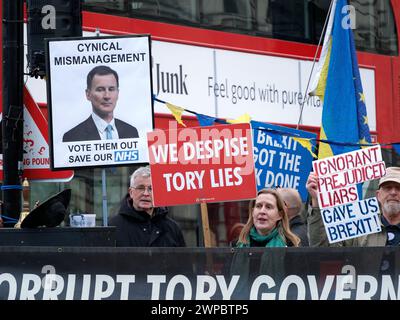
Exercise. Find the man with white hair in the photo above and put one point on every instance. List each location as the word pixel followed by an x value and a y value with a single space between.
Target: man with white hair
pixel 139 223
pixel 388 195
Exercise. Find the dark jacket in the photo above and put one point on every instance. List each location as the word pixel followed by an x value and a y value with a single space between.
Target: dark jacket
pixel 299 228
pixel 87 130
pixel 138 229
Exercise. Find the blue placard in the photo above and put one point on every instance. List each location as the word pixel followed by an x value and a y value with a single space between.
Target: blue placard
pixel 280 161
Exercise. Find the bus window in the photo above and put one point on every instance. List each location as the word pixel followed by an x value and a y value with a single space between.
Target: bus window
pixel 293 20
pixel 170 10
pixel 287 19
pixel 375 27
pixel 116 7
pixel 228 15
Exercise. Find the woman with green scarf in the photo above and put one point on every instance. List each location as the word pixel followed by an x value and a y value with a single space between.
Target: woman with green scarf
pixel 268 223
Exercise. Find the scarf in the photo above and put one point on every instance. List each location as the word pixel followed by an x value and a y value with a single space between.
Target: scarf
pixel 273 239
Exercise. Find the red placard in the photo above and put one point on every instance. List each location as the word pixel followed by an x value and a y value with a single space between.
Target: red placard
pixel 202 164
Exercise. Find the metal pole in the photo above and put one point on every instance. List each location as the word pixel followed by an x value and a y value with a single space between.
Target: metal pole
pixel 104 196
pixel 103 180
pixel 12 117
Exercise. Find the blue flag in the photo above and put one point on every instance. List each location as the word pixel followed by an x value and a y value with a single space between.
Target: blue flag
pixel 344 114
pixel 205 121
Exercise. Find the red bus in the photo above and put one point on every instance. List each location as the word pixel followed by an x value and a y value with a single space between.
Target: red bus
pixel 224 58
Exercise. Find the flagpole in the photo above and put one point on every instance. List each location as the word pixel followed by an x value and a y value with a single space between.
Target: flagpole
pixel 313 64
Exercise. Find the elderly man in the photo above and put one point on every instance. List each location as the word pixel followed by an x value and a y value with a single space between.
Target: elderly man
pixel 139 223
pixel 388 195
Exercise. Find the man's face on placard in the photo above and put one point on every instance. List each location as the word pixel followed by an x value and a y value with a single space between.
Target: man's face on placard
pixel 103 94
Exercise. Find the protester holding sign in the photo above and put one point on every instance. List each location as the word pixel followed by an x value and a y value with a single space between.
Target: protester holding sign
pixel 102 92
pixel 138 223
pixel 268 223
pixel 388 195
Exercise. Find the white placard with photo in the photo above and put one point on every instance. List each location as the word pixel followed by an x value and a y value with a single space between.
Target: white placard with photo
pixel 100 101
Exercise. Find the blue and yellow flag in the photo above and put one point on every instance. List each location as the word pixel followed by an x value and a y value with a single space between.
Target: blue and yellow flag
pixel 176 112
pixel 344 114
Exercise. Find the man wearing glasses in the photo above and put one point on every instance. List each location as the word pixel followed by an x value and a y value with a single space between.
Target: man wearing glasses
pixel 138 223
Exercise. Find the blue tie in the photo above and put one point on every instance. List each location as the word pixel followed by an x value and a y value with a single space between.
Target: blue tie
pixel 109 128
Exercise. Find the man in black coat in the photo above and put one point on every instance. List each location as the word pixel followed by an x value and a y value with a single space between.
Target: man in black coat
pixel 102 91
pixel 294 206
pixel 138 223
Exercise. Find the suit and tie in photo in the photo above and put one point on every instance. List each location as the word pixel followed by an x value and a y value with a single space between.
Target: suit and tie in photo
pixel 87 130
pixel 102 91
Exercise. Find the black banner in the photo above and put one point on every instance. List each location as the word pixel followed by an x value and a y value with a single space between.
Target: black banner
pixel 51 273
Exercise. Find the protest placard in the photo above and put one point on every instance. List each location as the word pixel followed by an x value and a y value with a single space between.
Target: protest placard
pixel 100 100
pixel 344 216
pixel 202 164
pixel 351 220
pixel 280 161
pixel 339 175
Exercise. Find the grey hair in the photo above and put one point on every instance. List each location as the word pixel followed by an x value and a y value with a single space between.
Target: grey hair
pixel 140 172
